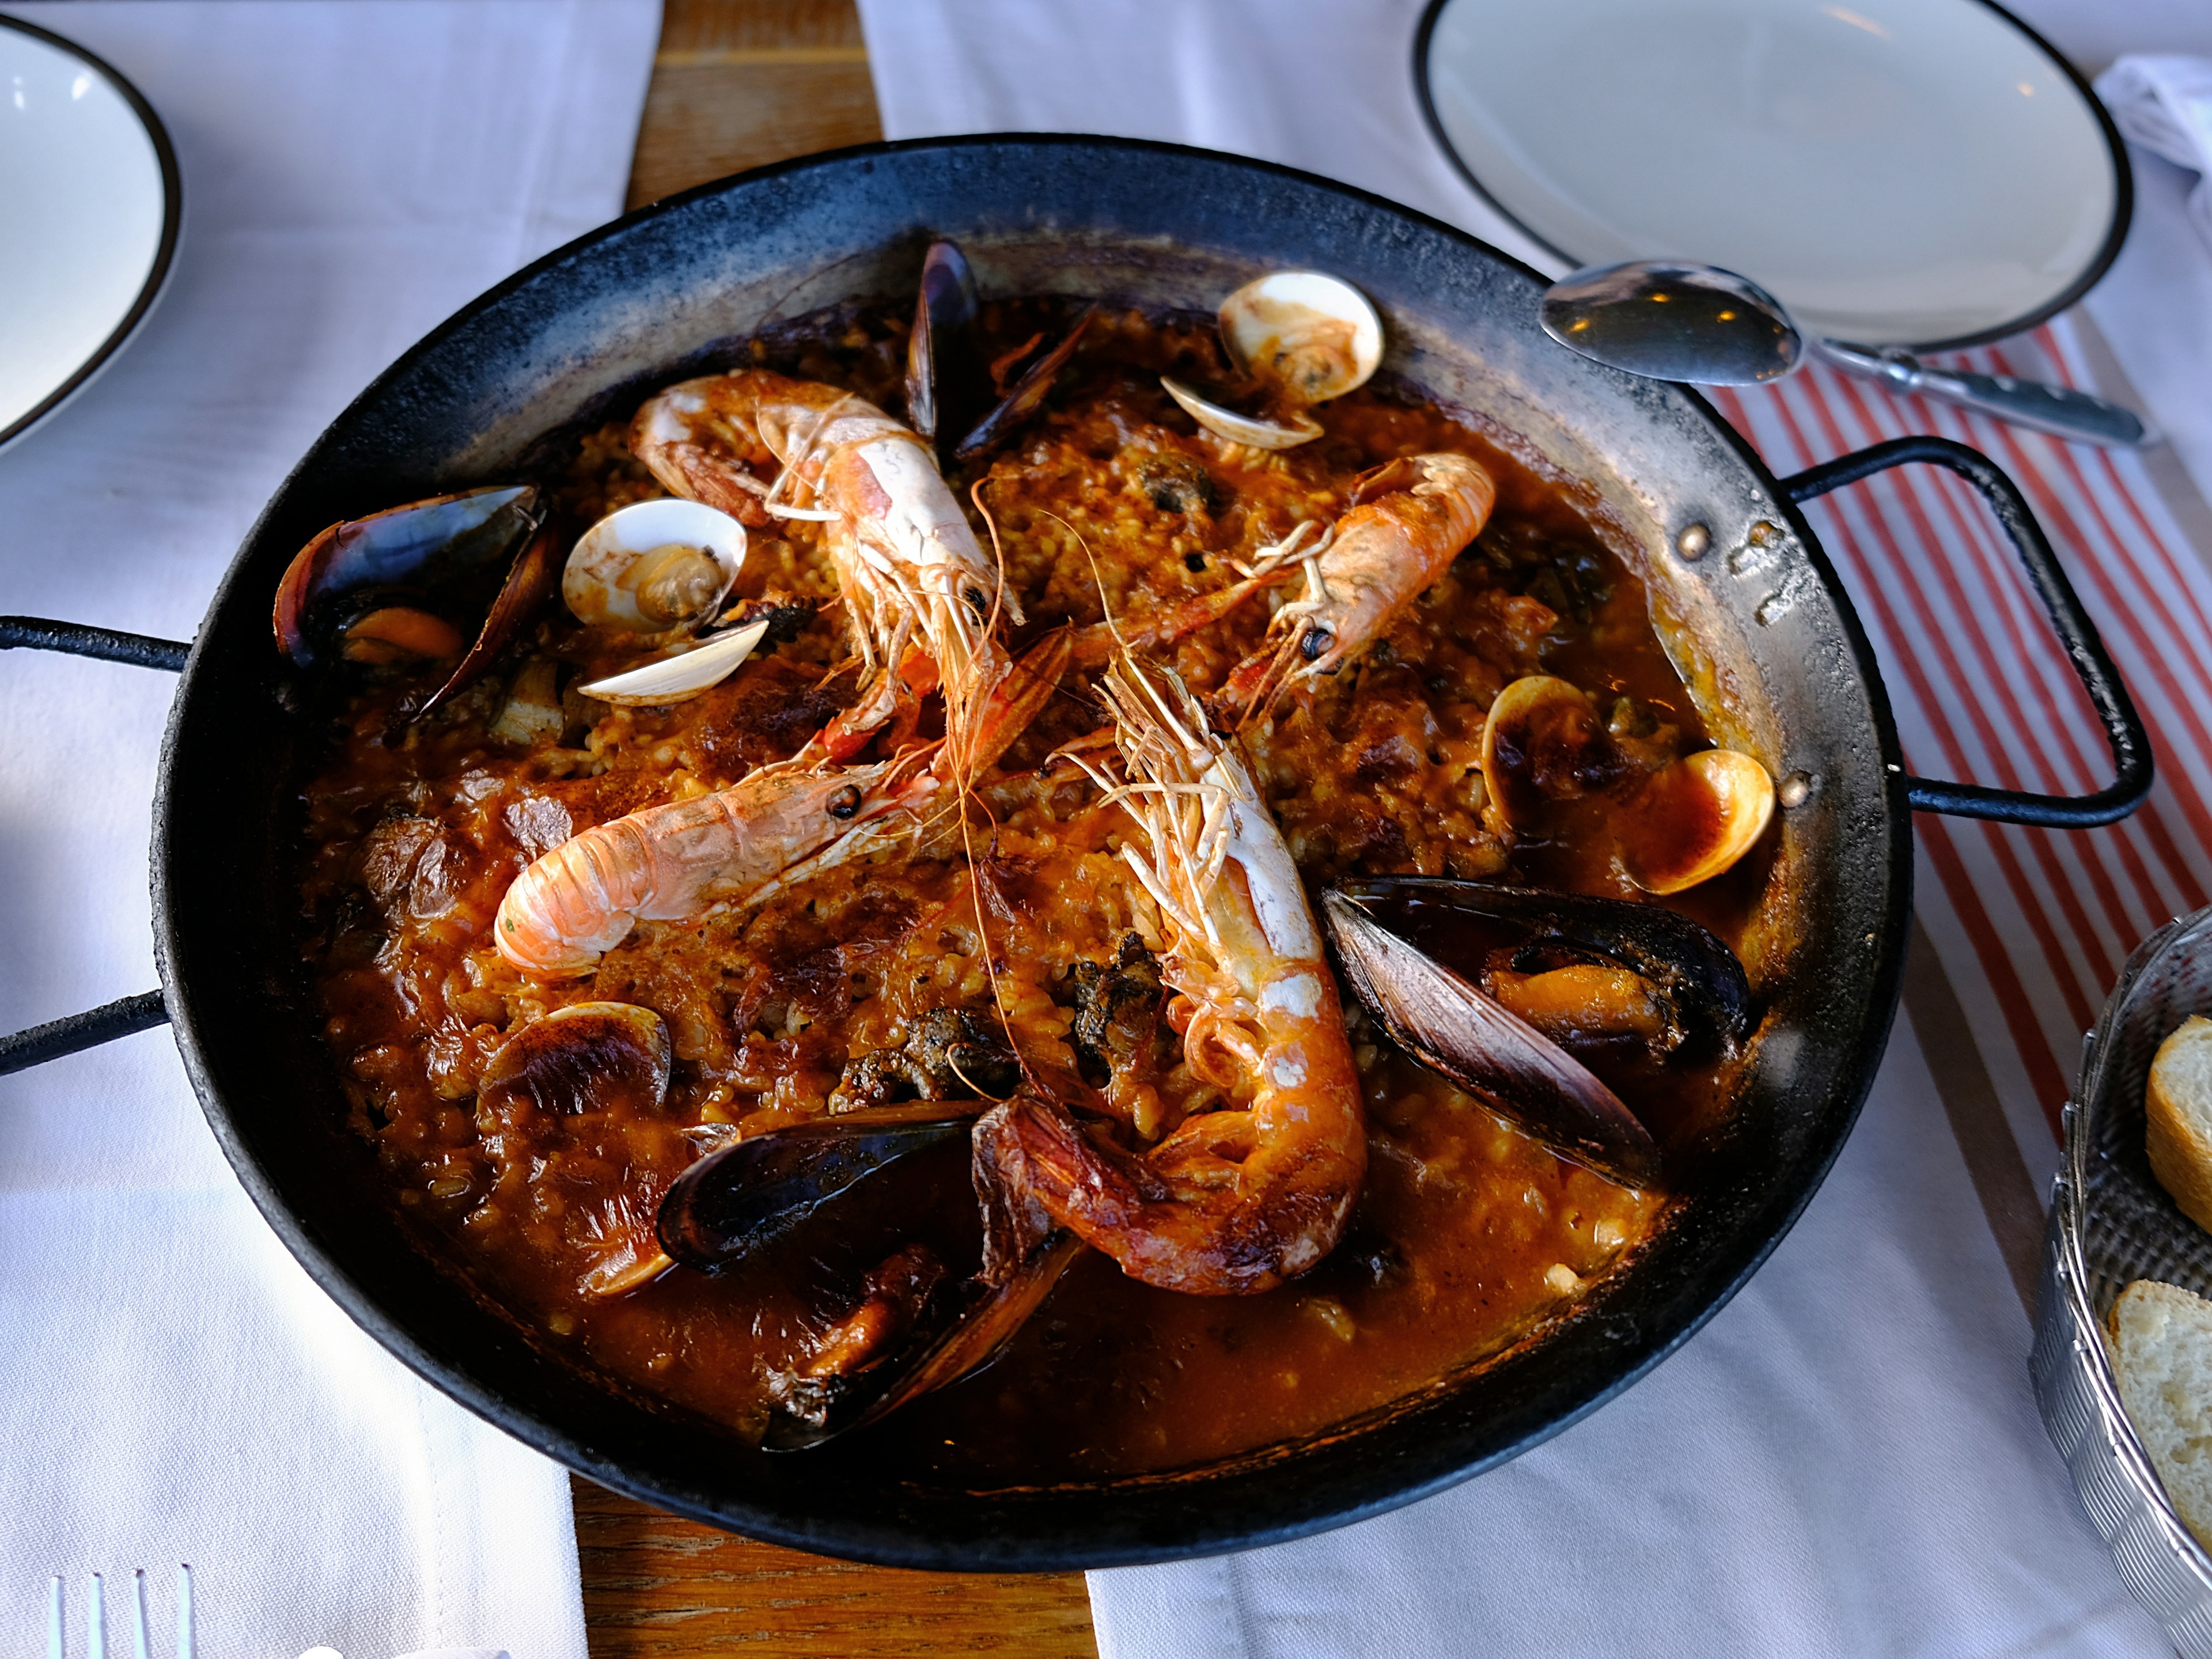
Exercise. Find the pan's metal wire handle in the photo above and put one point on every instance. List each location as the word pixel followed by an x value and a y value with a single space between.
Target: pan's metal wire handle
pixel 23 1049
pixel 2123 728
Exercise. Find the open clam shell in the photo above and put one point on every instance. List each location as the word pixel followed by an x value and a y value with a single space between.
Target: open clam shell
pixel 589 1056
pixel 1543 740
pixel 1696 818
pixel 1450 1026
pixel 1246 429
pixel 1307 337
pixel 654 567
pixel 673 679
pixel 1314 335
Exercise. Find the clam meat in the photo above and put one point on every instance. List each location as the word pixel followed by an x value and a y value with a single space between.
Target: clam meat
pixel 1304 337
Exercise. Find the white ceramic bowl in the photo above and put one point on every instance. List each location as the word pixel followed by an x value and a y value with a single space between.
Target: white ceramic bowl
pixel 90 204
pixel 1919 173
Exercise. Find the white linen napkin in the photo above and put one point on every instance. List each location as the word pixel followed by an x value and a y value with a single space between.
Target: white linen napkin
pixel 2165 105
pixel 173 1387
pixel 1847 1459
pixel 2155 306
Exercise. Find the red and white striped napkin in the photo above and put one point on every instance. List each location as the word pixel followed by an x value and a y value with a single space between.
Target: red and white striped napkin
pixel 2032 925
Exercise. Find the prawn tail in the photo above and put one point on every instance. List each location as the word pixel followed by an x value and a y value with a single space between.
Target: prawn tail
pixel 1041 1159
pixel 569 908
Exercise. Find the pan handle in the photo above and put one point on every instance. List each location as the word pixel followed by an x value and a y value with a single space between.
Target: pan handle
pixel 41 1044
pixel 2123 728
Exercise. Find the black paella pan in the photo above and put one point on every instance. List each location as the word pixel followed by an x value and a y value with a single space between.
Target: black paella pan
pixel 1747 602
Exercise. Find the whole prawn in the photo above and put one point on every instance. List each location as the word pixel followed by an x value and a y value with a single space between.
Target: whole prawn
pixel 674 861
pixel 682 859
pixel 912 573
pixel 1409 520
pixel 1234 1201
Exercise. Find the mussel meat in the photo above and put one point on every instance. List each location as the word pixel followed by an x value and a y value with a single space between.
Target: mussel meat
pixel 377 584
pixel 946 380
pixel 1524 975
pixel 1305 337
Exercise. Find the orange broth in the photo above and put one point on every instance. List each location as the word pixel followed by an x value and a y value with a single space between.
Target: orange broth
pixel 1468 1234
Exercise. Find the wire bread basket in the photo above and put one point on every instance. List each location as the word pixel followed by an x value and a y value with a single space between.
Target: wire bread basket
pixel 2112 1223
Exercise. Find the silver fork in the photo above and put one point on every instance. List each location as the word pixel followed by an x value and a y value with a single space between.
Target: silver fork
pixel 96 1617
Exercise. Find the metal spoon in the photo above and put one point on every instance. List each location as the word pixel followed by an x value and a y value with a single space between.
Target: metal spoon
pixel 1668 321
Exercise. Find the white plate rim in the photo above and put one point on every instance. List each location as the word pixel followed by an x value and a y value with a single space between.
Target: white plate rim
pixel 2108 250
pixel 157 276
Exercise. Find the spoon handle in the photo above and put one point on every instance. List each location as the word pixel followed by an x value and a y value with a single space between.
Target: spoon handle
pixel 2054 409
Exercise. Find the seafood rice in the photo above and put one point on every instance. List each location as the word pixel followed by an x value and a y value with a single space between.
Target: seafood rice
pixel 926 892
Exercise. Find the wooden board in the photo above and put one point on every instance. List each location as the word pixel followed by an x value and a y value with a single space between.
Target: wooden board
pixel 655 1585
pixel 737 84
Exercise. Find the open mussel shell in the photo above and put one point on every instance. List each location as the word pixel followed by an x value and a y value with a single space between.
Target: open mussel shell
pixel 1696 818
pixel 1443 1021
pixel 1026 398
pixel 588 1056
pixel 752 1192
pixel 529 580
pixel 965 1328
pixel 654 567
pixel 673 679
pixel 1702 985
pixel 944 380
pixel 1314 335
pixel 422 547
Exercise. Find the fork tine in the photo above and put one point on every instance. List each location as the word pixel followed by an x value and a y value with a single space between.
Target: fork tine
pixel 96 1635
pixel 54 1647
pixel 184 1640
pixel 139 1614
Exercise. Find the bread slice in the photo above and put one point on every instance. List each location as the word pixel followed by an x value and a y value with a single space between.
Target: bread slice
pixel 2178 1107
pixel 2162 1353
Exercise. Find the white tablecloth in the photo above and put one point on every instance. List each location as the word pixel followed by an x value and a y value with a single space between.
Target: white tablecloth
pixel 171 1386
pixel 1847 1459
